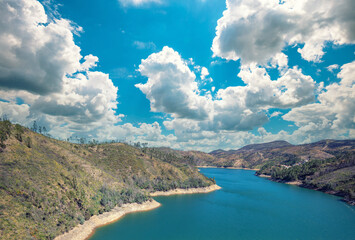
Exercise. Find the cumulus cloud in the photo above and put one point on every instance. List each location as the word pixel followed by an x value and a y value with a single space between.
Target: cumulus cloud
pixel 292 89
pixel 41 66
pixel 255 31
pixel 171 86
pixel 84 99
pixel 148 133
pixel 333 115
pixel 19 113
pixel 90 62
pixel 27 39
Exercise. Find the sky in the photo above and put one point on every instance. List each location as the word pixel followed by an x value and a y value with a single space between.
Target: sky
pixel 186 74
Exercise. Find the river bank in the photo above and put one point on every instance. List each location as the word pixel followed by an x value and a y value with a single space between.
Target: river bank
pixel 302 184
pixel 253 169
pixel 280 210
pixel 85 231
pixel 186 191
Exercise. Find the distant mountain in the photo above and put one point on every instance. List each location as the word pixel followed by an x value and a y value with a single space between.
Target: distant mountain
pixel 47 186
pixel 218 151
pixel 264 146
pixel 327 165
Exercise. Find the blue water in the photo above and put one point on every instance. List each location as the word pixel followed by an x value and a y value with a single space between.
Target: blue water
pixel 247 207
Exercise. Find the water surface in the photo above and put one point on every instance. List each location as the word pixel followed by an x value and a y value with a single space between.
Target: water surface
pixel 247 207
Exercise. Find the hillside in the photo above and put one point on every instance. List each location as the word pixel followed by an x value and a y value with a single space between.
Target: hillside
pixel 266 146
pixel 48 186
pixel 250 156
pixel 256 155
pixel 193 158
pixel 327 165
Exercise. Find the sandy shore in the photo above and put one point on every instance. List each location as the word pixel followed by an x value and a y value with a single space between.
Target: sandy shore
pixel 297 183
pixel 186 191
pixel 264 176
pixel 84 231
pixel 254 169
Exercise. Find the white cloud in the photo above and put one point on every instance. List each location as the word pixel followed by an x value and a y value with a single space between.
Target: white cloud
pixel 275 114
pixel 255 31
pixel 204 73
pixel 280 60
pixel 290 90
pixel 144 45
pixel 332 67
pixel 90 62
pixel 171 86
pixel 334 115
pixel 84 99
pixel 41 65
pixel 27 38
pixel 18 113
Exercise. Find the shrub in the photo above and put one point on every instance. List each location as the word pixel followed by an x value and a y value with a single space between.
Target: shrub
pixel 28 142
pixel 18 132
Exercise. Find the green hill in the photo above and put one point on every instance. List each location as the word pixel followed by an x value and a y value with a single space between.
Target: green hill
pixel 49 186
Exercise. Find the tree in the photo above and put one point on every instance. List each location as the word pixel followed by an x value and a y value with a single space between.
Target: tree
pixel 5 131
pixel 44 130
pixel 18 132
pixel 28 142
pixel 34 126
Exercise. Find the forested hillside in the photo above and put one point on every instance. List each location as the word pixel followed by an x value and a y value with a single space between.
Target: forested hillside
pixel 49 186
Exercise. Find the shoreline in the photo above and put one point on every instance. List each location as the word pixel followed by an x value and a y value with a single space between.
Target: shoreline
pixel 264 176
pixel 299 183
pixel 252 169
pixel 179 191
pixel 86 230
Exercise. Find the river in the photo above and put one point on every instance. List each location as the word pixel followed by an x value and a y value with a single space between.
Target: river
pixel 247 207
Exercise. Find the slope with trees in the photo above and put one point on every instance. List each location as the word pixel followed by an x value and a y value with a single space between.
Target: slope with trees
pixel 49 186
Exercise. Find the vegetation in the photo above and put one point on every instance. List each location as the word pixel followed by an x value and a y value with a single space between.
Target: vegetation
pixel 334 175
pixel 327 165
pixel 49 186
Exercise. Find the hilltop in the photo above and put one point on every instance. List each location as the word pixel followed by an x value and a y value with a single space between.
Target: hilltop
pixel 49 186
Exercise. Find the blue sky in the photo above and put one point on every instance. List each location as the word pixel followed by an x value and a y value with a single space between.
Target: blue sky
pixel 197 74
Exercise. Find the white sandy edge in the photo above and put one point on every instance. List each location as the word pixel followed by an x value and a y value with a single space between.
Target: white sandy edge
pixel 84 231
pixel 296 183
pixel 264 176
pixel 186 191
pixel 240 168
